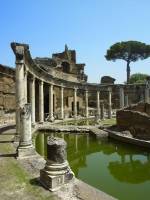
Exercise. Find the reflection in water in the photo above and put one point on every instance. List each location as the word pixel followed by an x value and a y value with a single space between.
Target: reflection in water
pixel 107 165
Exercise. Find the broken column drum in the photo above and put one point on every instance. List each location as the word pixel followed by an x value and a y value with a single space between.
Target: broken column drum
pixel 57 171
pixel 25 133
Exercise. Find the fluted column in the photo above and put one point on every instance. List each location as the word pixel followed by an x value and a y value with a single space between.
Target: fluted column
pixel 98 104
pixel 121 94
pixel 51 115
pixel 109 104
pixel 62 102
pixel 32 98
pixel 86 104
pixel 75 102
pixel 41 102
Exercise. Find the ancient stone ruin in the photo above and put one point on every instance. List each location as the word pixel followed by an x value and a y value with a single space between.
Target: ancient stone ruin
pixel 136 119
pixel 57 171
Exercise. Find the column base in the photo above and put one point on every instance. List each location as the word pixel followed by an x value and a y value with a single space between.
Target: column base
pixel 51 119
pixel 54 180
pixel 25 152
pixel 16 139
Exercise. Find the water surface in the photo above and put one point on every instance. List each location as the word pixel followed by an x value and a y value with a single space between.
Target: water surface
pixel 118 169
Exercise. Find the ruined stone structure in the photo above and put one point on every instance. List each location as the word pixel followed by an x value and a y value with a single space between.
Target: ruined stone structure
pixel 57 88
pixel 136 119
pixel 57 171
pixel 7 89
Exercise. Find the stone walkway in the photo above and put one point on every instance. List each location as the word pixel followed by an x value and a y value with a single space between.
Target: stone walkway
pixel 19 178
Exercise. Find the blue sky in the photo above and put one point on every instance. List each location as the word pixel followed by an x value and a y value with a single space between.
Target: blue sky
pixel 89 26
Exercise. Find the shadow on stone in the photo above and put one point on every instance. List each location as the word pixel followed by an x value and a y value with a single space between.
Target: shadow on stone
pixel 13 155
pixel 36 182
pixel 9 141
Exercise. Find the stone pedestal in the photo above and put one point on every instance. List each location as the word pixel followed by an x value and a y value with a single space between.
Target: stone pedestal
pixel 25 148
pixel 57 171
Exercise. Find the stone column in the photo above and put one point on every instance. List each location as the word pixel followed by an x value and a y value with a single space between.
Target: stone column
pixel 25 86
pixel 121 94
pixel 126 101
pixel 62 102
pixel 20 98
pixel 102 110
pixel 41 102
pixel 26 134
pixel 109 104
pixel 86 104
pixel 98 104
pixel 57 171
pixel 75 102
pixel 25 148
pixel 51 115
pixel 32 98
pixel 147 93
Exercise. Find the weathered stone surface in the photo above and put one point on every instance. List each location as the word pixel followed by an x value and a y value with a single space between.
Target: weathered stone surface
pixel 137 122
pixel 57 171
pixel 56 150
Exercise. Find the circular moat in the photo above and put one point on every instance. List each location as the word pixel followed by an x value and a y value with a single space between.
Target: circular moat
pixel 118 169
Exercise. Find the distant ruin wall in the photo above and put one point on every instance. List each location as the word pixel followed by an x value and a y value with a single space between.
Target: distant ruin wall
pixel 7 89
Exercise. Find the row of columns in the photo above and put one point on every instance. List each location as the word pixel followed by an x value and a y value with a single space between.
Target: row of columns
pixel 51 116
pixel 21 97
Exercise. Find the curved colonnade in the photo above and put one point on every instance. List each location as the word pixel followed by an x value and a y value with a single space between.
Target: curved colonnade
pixel 27 73
pixel 31 80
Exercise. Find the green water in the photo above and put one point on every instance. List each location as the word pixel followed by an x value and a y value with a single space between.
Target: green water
pixel 120 170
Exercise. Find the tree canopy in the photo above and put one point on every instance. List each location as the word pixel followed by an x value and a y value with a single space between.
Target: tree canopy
pixel 129 51
pixel 138 78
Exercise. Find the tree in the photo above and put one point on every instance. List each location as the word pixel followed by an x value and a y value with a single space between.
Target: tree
pixel 129 51
pixel 138 78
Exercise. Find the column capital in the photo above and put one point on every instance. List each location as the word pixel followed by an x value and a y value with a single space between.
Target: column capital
pixel 32 78
pixel 41 82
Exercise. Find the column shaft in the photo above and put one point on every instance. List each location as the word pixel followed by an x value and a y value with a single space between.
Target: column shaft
pixel 25 86
pixel 41 102
pixel 126 100
pixel 20 100
pixel 62 103
pixel 86 104
pixel 32 98
pixel 51 115
pixel 121 93
pixel 98 104
pixel 109 105
pixel 75 103
pixel 147 95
